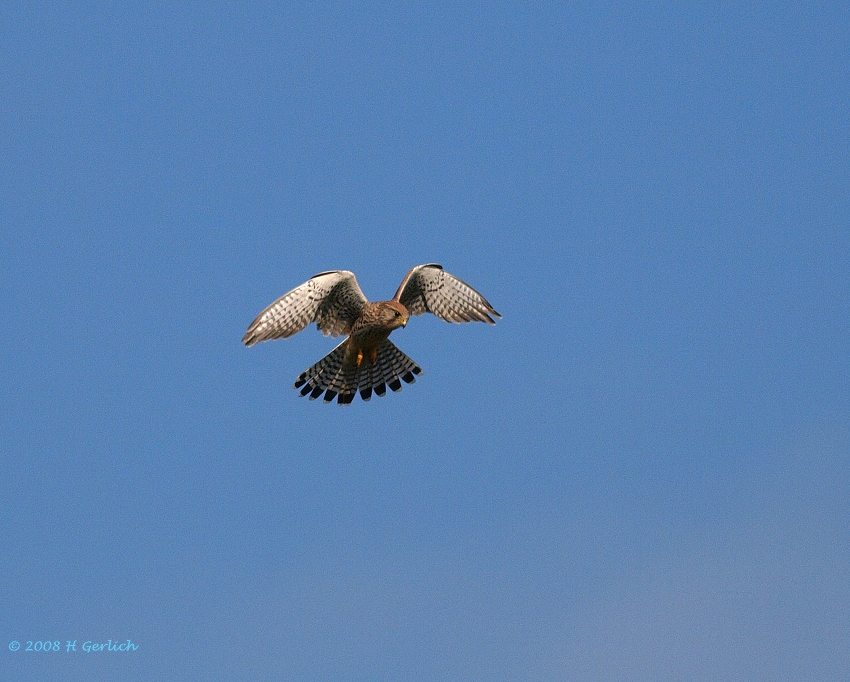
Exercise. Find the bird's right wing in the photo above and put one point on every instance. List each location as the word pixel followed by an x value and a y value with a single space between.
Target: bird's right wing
pixel 332 300
pixel 430 289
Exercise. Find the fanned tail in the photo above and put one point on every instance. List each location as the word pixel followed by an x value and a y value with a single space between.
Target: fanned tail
pixel 339 379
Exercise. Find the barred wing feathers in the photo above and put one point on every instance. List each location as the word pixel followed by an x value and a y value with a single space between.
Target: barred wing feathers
pixel 333 300
pixel 430 289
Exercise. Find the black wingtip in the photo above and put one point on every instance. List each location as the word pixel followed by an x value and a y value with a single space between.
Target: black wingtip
pixel 395 385
pixel 408 378
pixel 381 389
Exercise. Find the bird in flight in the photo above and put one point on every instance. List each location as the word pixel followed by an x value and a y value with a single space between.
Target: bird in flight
pixel 367 360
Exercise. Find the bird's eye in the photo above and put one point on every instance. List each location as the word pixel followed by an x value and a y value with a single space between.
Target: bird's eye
pixel 397 314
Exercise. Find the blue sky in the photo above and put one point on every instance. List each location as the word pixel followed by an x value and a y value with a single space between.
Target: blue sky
pixel 641 472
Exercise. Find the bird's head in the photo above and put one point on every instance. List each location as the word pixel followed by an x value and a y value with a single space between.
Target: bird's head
pixel 395 314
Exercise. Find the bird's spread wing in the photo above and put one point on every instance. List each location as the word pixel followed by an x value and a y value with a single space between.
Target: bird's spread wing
pixel 332 300
pixel 430 289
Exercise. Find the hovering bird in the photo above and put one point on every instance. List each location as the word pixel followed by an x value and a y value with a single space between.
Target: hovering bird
pixel 367 360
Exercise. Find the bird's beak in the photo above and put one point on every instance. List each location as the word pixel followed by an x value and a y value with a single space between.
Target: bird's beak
pixel 404 321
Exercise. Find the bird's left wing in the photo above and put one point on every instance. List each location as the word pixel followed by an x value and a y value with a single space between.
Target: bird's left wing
pixel 430 289
pixel 332 300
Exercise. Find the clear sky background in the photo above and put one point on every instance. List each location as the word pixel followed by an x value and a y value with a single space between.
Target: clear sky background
pixel 641 472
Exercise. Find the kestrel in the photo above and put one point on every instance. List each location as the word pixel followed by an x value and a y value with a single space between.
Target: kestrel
pixel 367 360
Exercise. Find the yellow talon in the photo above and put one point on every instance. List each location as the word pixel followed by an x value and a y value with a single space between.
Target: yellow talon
pixel 359 357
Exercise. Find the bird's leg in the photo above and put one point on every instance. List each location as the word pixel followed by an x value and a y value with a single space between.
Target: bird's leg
pixel 373 355
pixel 359 356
